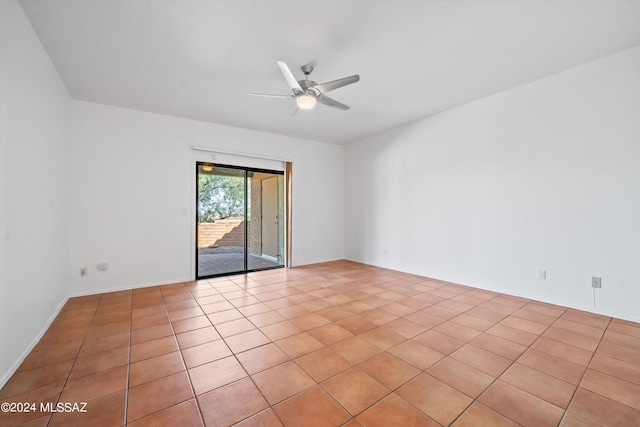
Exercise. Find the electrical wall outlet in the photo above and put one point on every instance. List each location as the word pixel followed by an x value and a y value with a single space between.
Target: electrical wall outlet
pixel 596 282
pixel 542 274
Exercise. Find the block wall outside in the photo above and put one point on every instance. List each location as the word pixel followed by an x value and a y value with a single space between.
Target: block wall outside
pixel 223 232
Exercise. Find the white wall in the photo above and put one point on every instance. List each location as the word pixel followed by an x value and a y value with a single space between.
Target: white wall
pixel 542 177
pixel 35 122
pixel 133 194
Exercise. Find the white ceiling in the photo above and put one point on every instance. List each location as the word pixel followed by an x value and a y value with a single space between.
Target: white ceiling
pixel 199 59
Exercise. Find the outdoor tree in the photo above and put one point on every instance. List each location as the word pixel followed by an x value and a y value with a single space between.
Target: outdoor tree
pixel 220 197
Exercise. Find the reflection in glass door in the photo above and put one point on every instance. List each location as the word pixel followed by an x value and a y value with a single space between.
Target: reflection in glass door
pixel 240 222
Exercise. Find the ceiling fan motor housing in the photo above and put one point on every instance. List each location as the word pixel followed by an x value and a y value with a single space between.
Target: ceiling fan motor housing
pixel 307 86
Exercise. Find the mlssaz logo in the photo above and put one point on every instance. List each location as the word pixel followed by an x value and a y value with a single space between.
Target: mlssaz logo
pixel 63 407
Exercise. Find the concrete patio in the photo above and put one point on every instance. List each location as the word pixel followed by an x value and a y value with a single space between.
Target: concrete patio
pixel 229 259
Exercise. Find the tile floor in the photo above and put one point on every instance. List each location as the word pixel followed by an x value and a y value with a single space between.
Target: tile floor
pixel 330 344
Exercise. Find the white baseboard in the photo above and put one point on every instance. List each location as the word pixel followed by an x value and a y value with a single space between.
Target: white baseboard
pixel 567 304
pixel 128 287
pixel 13 368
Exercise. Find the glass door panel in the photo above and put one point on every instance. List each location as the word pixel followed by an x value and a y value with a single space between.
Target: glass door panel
pixel 221 226
pixel 266 235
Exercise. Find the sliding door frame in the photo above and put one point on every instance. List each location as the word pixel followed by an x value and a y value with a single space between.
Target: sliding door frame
pixel 286 229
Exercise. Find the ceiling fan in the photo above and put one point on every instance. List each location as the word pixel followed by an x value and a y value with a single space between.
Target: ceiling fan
pixel 307 92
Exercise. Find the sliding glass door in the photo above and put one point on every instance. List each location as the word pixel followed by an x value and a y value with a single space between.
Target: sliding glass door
pixel 240 220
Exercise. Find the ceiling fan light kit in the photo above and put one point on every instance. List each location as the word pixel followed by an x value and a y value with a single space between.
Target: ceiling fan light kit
pixel 308 93
pixel 305 101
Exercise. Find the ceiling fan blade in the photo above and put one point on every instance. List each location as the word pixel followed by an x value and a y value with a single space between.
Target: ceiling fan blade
pixel 288 75
pixel 335 84
pixel 332 102
pixel 271 96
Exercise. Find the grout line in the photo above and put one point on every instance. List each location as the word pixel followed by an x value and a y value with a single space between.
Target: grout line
pixel 75 359
pixel 586 369
pixel 584 373
pixel 486 389
pixel 186 371
pixel 126 392
pixel 233 353
pixel 474 399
